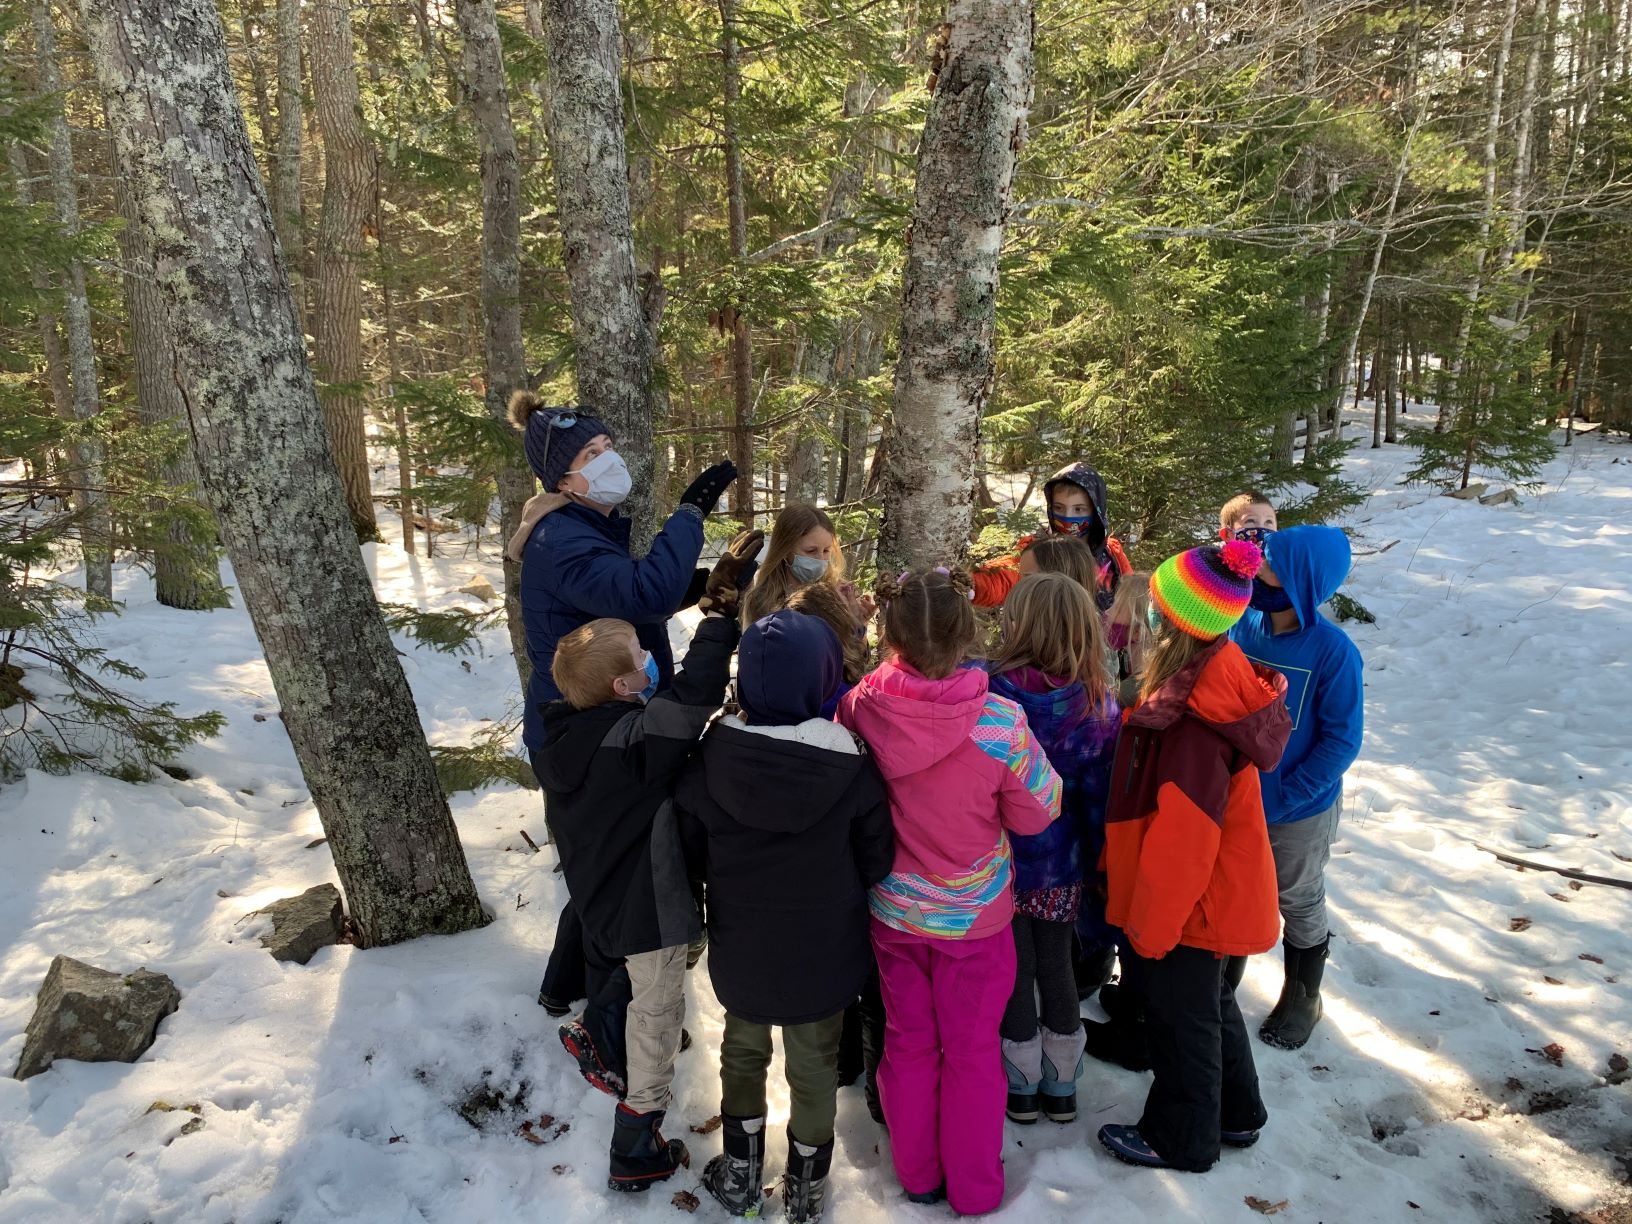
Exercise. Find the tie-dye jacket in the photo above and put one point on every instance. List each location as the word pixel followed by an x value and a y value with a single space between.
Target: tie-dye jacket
pixel 1081 745
pixel 963 772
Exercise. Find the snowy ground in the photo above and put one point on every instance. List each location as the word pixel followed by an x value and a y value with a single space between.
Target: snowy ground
pixel 1499 698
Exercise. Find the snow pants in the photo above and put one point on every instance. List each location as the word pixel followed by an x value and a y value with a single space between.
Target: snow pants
pixel 657 1011
pixel 1302 848
pixel 1204 1077
pixel 941 1079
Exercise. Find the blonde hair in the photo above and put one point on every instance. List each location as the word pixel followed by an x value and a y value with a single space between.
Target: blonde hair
pixel 1050 622
pixel 827 603
pixel 775 581
pixel 590 658
pixel 1131 607
pixel 1174 648
pixel 928 620
pixel 1068 555
pixel 1230 513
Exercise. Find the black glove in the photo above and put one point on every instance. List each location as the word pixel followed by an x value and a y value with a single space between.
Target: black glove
pixel 705 491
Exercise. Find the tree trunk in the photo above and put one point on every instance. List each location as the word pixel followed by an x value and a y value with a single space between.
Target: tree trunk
pixel 348 177
pixel 56 355
pixel 286 171
pixel 742 352
pixel 505 357
pixel 186 570
pixel 972 135
pixel 91 477
pixel 612 341
pixel 268 469
pixel 254 26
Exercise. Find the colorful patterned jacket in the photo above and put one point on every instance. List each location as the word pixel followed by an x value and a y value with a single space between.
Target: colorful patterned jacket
pixel 963 772
pixel 1080 743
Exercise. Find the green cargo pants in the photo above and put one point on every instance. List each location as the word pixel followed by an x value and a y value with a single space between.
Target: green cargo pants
pixel 810 1053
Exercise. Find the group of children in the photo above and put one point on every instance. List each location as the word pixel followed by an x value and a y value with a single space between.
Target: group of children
pixel 1144 770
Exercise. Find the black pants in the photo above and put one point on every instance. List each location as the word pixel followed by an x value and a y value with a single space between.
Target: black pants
pixel 564 976
pixel 861 1045
pixel 1042 966
pixel 1199 1052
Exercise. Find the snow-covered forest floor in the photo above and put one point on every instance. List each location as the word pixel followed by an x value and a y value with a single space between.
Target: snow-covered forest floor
pixel 1499 700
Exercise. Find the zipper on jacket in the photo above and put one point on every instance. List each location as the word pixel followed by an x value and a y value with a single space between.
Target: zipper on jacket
pixel 1133 764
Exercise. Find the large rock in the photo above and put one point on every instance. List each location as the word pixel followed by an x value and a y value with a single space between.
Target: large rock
pixel 1468 494
pixel 301 925
pixel 481 588
pixel 1507 497
pixel 94 1016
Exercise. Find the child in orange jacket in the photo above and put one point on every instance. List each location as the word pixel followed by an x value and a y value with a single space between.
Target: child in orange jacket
pixel 1190 877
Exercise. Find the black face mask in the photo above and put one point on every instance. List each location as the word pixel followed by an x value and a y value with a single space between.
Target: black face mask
pixel 1266 598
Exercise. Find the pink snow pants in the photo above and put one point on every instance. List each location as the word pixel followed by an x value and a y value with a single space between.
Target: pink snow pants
pixel 941 1080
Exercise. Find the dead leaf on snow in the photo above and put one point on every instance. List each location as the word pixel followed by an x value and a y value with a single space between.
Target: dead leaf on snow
pixel 1552 981
pixel 1519 924
pixel 1588 956
pixel 1264 1206
pixel 708 1127
pixel 685 1200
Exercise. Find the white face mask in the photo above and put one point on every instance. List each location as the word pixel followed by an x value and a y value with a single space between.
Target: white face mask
pixel 807 569
pixel 608 479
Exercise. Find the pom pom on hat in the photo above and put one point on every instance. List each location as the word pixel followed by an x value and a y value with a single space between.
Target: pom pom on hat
pixel 1204 591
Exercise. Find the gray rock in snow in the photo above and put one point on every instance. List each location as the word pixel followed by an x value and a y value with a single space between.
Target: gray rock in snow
pixel 1505 498
pixel 93 1015
pixel 301 925
pixel 1468 494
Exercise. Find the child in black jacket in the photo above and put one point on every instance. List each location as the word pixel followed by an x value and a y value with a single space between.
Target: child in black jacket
pixel 611 755
pixel 790 816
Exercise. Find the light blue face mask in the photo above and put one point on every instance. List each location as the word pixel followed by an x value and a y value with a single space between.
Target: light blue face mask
pixel 807 569
pixel 651 677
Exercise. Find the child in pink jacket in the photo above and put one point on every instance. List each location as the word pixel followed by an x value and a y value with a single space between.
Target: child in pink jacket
pixel 962 770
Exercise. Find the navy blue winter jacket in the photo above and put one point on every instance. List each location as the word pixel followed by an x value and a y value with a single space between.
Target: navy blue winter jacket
pixel 577 568
pixel 1325 694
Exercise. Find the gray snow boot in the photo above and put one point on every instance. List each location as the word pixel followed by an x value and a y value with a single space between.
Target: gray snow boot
pixel 1023 1064
pixel 804 1185
pixel 1299 1008
pixel 1062 1066
pixel 734 1177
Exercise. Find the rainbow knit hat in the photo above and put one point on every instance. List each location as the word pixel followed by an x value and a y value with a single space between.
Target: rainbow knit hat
pixel 1205 591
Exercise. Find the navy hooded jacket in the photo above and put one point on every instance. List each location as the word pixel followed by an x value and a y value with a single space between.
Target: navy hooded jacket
pixel 577 568
pixel 1324 689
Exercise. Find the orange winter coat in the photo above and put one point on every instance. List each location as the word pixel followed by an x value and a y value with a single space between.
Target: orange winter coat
pixel 1187 854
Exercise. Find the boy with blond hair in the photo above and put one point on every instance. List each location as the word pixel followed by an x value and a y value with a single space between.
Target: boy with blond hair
pixel 613 750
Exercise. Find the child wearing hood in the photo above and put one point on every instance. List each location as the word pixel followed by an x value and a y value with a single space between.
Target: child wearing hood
pixel 1052 665
pixel 1190 876
pixel 963 771
pixel 1075 498
pixel 784 814
pixel 1303 797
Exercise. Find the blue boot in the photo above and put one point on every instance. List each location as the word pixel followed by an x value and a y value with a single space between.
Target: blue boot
pixel 1023 1064
pixel 1062 1067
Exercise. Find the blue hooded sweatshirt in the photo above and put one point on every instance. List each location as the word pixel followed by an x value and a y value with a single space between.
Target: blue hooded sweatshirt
pixel 1324 691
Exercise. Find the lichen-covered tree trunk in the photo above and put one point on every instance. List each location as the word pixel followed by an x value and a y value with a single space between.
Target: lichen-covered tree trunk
pixel 972 135
pixel 186 572
pixel 91 476
pixel 286 176
pixel 348 161
pixel 506 358
pixel 267 468
pixel 612 342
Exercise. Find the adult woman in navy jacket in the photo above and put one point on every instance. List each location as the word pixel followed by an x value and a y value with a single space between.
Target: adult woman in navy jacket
pixel 576 568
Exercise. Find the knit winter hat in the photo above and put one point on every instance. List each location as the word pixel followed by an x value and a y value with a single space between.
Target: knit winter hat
pixel 552 444
pixel 788 665
pixel 1205 591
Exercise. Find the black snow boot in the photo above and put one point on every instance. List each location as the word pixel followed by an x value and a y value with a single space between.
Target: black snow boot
pixel 1299 1008
pixel 804 1185
pixel 640 1154
pixel 734 1178
pixel 1092 967
pixel 1121 1039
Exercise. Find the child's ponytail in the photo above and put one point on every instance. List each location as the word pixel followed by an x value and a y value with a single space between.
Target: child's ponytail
pixel 929 621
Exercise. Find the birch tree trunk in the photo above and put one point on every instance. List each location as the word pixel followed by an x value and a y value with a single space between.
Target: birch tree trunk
pixel 348 176
pixel 972 135
pixel 612 341
pixel 286 176
pixel 89 456
pixel 267 467
pixel 505 356
pixel 186 570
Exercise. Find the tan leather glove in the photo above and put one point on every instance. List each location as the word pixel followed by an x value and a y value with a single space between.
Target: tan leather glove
pixel 720 595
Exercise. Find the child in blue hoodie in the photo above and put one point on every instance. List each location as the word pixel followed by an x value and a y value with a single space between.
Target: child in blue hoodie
pixel 1303 796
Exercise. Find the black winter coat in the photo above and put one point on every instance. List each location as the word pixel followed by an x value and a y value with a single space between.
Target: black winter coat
pixel 788 836
pixel 609 773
